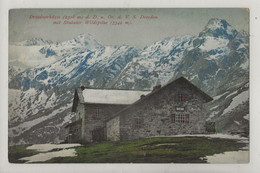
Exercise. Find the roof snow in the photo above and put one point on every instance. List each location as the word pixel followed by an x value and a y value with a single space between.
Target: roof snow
pixel 105 96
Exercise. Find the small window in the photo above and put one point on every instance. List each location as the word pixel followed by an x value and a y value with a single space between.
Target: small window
pixel 173 118
pixel 180 118
pixel 138 123
pixel 186 118
pixel 96 113
pixel 180 97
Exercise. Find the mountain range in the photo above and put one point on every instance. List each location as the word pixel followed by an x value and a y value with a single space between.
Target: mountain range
pixel 41 94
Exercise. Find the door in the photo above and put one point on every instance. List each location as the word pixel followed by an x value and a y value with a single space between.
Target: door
pixel 98 135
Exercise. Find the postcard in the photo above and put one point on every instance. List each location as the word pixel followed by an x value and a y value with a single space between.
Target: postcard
pixel 135 85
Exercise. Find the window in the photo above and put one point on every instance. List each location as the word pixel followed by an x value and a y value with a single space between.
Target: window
pixel 173 118
pixel 96 113
pixel 180 118
pixel 187 119
pixel 138 123
pixel 180 97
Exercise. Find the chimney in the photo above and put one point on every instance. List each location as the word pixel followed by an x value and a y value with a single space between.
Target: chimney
pixel 156 87
pixel 142 96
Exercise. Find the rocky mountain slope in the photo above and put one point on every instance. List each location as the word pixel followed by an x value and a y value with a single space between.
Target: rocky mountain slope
pixel 217 60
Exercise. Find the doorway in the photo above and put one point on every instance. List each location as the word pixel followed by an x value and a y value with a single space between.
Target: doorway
pixel 98 135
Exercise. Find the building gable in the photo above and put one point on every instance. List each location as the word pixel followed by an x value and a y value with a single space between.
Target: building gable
pixel 178 83
pixel 184 82
pixel 176 108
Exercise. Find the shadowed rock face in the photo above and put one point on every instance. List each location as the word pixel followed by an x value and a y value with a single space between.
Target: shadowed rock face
pixel 216 61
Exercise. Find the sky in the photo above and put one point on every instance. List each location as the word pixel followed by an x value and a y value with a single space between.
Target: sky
pixel 140 33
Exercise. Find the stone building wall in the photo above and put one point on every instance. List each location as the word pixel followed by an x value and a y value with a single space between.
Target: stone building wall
pixel 95 117
pixel 113 129
pixel 80 115
pixel 153 115
pixel 74 132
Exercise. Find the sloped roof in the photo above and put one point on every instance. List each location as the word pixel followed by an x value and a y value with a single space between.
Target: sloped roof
pixel 124 97
pixel 106 96
pixel 206 97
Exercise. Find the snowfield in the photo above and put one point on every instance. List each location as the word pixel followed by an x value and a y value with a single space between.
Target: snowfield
pixel 229 157
pixel 239 99
pixel 41 157
pixel 49 147
pixel 215 43
pixel 21 128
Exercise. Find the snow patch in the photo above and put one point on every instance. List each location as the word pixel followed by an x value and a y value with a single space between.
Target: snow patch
pixel 51 101
pixel 193 77
pixel 91 82
pixel 237 100
pixel 130 80
pixel 231 94
pixel 167 144
pixel 67 119
pixel 49 147
pixel 238 123
pixel 214 107
pixel 213 43
pixel 229 157
pixel 213 113
pixel 245 65
pixel 218 96
pixel 246 117
pixel 41 157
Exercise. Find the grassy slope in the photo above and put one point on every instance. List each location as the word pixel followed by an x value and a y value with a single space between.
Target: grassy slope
pixel 184 150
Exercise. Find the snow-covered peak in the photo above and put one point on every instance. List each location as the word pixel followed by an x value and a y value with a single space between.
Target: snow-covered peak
pixel 34 42
pixel 215 23
pixel 82 40
pixel 219 28
pixel 166 46
pixel 77 45
pixel 85 35
pixel 86 39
